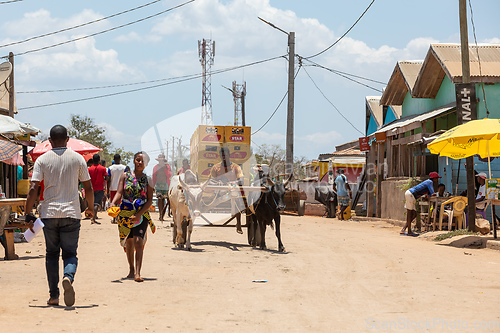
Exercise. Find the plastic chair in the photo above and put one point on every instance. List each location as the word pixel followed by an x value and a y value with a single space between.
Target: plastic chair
pixel 458 205
pixel 482 211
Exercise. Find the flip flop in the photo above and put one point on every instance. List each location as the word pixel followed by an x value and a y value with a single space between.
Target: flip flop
pixel 412 234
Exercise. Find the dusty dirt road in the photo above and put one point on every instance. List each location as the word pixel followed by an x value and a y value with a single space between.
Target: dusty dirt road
pixel 335 277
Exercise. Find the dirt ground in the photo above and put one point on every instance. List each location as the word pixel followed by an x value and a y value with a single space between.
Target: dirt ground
pixel 353 276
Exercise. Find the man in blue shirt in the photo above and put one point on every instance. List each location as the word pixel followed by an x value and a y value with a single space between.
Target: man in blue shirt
pixel 343 192
pixel 424 188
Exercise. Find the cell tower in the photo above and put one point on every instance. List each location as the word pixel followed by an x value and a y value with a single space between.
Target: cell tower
pixel 239 91
pixel 206 51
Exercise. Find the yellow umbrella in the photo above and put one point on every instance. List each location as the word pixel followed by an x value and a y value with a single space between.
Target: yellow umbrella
pixel 476 137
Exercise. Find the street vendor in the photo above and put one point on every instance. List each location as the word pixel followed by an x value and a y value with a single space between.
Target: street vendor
pixel 424 188
pixel 481 194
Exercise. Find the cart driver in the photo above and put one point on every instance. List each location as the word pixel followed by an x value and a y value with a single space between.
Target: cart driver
pixel 227 173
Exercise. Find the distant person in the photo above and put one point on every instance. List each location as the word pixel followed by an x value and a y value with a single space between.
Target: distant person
pixel 61 169
pixel 161 182
pixel 114 172
pixel 481 193
pixel 98 175
pixel 424 188
pixel 344 193
pixel 227 172
pixel 136 193
pixel 185 166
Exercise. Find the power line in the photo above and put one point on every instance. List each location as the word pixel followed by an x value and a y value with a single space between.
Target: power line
pixel 315 64
pixel 108 86
pixel 338 40
pixel 332 103
pixel 272 114
pixel 149 87
pixel 78 26
pixel 350 79
pixel 104 31
pixel 478 59
pixel 6 2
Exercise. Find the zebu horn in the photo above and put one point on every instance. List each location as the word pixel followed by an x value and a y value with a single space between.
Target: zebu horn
pixel 288 180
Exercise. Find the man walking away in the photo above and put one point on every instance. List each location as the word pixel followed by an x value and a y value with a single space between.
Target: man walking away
pixel 98 175
pixel 61 169
pixel 114 172
pixel 344 193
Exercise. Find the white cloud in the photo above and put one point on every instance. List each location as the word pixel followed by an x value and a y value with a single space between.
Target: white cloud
pixel 134 37
pixel 119 138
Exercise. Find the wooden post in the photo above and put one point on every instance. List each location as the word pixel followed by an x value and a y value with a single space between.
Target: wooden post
pixel 380 175
pixel 370 168
pixel 469 161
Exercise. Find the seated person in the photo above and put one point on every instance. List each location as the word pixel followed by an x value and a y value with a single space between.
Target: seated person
pixel 481 194
pixel 440 193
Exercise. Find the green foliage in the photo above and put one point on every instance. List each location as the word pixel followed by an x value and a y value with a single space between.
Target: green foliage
pixel 410 182
pixel 84 128
pixel 454 233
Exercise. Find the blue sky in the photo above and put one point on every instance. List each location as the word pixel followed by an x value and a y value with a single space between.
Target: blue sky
pixel 166 46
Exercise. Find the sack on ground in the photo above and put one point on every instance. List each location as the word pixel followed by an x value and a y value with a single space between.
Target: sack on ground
pixel 483 226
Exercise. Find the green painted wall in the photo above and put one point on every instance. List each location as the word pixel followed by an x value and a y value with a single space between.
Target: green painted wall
pixel 446 95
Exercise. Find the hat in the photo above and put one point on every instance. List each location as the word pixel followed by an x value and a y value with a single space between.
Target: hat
pixel 481 175
pixel 434 175
pixel 161 158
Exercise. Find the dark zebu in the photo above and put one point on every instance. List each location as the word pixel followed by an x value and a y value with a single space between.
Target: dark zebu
pixel 264 208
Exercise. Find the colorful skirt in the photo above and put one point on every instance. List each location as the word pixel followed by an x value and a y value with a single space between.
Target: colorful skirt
pixel 125 223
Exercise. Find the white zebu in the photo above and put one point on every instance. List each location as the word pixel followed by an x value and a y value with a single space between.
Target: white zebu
pixel 185 201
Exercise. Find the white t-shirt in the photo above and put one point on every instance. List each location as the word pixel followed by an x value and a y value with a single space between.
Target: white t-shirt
pixel 115 171
pixel 61 169
pixel 481 193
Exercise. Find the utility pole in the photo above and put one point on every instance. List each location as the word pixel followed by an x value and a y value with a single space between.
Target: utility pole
pixel 469 161
pixel 290 108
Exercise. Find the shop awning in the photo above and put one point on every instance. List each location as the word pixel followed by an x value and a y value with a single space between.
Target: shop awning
pixel 415 121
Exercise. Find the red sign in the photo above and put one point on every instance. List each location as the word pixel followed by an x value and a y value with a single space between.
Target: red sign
pixel 238 155
pixel 206 172
pixel 236 138
pixel 210 155
pixel 364 144
pixel 380 137
pixel 212 137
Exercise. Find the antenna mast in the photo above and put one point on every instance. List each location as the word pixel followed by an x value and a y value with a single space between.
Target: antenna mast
pixel 206 51
pixel 239 91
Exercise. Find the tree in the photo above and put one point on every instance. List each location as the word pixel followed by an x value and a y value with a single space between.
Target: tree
pixel 275 156
pixel 84 128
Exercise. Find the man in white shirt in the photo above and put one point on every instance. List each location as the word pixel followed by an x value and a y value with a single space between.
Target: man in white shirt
pixel 61 169
pixel 114 172
pixel 481 194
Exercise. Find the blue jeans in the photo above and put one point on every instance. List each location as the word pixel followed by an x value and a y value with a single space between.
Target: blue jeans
pixel 60 234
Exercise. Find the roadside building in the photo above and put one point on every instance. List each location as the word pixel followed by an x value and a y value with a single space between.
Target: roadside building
pixel 425 91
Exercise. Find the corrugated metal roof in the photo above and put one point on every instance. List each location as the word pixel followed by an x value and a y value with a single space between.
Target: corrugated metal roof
pixel 398 110
pixel 402 80
pixel 377 110
pixel 353 151
pixel 446 59
pixel 416 118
